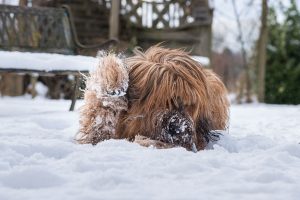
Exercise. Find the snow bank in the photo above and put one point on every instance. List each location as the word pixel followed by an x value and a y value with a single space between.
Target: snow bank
pixel 46 61
pixel 260 159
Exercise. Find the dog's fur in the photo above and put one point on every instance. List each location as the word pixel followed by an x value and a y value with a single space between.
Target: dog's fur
pixel 104 100
pixel 171 100
pixel 168 91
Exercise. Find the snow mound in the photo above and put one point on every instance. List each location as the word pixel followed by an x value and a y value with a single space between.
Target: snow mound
pixel 259 159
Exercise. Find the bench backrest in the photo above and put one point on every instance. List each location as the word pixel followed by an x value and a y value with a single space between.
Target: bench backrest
pixel 35 29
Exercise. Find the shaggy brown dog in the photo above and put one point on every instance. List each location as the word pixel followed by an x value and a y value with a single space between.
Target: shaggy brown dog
pixel 172 99
pixel 104 100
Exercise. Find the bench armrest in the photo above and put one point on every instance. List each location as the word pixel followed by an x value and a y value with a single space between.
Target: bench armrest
pixel 77 43
pixel 107 43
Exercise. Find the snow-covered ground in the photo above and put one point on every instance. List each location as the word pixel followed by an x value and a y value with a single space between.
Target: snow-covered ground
pixel 259 159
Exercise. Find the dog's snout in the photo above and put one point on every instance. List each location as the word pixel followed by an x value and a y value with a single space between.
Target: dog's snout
pixel 178 125
pixel 177 129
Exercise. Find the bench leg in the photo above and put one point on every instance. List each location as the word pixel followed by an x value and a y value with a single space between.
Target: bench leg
pixel 75 94
pixel 33 80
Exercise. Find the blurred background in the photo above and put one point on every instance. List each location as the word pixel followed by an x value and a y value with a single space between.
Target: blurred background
pixel 253 45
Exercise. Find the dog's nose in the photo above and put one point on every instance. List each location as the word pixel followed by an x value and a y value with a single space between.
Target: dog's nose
pixel 177 125
pixel 178 130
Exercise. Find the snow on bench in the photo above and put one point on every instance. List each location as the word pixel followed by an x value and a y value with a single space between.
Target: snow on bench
pixel 53 63
pixel 202 60
pixel 45 62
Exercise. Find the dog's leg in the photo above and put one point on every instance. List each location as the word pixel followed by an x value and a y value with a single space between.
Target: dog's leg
pixel 104 100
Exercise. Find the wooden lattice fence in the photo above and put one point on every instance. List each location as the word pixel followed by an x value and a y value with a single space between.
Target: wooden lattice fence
pixel 177 23
pixel 165 13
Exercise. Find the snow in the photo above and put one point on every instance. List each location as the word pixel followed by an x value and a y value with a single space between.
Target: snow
pixel 46 61
pixel 259 159
pixel 51 61
pixel 202 60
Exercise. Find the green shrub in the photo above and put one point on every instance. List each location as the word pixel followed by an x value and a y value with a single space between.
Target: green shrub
pixel 283 58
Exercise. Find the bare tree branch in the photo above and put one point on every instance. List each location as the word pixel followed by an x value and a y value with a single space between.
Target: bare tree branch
pixel 244 53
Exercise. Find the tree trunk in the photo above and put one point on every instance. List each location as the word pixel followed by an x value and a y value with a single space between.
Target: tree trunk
pixel 261 52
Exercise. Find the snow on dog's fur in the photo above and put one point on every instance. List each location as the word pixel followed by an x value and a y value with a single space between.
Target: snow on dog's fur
pixel 103 100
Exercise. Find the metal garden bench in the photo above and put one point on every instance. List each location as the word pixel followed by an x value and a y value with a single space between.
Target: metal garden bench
pixel 46 30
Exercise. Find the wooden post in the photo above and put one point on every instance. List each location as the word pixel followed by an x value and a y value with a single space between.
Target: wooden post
pixel 210 37
pixel 202 12
pixel 23 2
pixel 114 19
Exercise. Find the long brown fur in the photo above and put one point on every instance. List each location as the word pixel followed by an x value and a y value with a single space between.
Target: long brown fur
pixel 172 101
pixel 162 80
